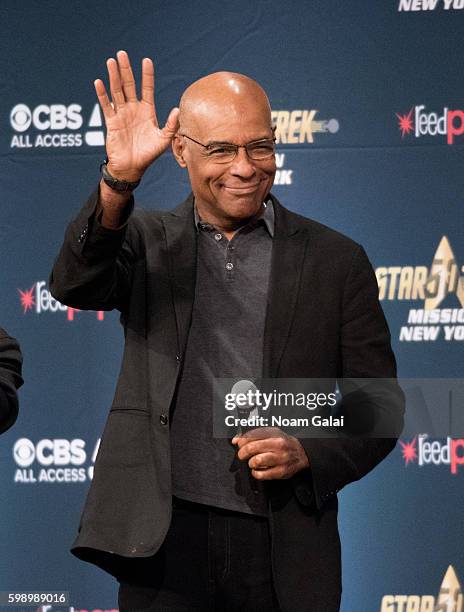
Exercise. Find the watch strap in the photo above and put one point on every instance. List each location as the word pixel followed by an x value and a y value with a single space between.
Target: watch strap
pixel 116 184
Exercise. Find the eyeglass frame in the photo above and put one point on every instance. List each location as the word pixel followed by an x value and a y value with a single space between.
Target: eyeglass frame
pixel 236 146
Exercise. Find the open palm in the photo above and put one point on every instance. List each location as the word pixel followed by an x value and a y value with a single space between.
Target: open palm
pixel 133 137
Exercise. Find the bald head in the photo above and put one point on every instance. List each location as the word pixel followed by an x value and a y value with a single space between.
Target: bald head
pixel 229 94
pixel 226 108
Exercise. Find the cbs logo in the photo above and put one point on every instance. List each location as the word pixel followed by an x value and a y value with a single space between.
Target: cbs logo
pixel 49 452
pixel 44 117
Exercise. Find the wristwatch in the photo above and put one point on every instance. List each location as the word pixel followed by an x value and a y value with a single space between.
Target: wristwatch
pixel 116 184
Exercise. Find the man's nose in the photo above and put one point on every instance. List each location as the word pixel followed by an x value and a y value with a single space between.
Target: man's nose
pixel 242 165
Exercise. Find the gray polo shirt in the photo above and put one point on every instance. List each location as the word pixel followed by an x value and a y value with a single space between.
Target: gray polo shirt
pixel 225 341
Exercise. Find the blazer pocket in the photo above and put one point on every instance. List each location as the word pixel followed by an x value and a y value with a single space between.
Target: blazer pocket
pixel 133 410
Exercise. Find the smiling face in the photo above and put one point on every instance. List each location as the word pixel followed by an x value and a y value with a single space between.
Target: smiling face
pixel 225 108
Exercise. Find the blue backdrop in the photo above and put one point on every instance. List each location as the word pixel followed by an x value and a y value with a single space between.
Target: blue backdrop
pixel 369 102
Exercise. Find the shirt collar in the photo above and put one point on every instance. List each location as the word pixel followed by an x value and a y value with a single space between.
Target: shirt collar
pixel 267 216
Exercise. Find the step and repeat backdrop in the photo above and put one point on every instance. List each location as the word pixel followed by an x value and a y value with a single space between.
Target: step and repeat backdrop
pixel 368 100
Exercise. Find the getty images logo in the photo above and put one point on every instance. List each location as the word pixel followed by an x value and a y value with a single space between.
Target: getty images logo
pixel 55 126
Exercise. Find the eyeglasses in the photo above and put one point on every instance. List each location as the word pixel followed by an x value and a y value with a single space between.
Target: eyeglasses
pixel 225 152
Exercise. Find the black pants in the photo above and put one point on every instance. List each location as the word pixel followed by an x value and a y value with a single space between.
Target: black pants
pixel 211 560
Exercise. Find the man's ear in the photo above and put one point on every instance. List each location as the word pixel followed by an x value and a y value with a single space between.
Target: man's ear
pixel 178 150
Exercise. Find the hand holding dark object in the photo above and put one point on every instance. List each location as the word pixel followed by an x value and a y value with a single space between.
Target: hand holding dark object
pixel 10 380
pixel 134 139
pixel 271 453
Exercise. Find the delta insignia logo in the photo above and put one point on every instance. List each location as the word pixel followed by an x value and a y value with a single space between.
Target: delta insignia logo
pixel 449 598
pixel 442 282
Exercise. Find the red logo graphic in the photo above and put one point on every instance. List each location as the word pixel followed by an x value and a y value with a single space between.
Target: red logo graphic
pixel 405 122
pixel 39 299
pixel 27 298
pixel 409 450
pixel 447 123
pixel 434 452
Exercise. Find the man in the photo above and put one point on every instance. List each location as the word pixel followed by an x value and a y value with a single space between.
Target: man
pixel 10 380
pixel 229 284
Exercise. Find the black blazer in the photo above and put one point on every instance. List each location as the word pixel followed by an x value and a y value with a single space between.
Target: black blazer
pixel 323 321
pixel 10 379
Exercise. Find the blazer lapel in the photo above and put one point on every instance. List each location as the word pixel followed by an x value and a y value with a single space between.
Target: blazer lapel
pixel 288 252
pixel 182 253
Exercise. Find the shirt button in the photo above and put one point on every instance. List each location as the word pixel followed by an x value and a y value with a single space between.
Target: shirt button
pixel 229 265
pixel 218 237
pixel 163 419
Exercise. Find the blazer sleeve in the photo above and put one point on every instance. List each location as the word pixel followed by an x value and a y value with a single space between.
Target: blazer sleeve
pixel 93 268
pixel 366 354
pixel 10 380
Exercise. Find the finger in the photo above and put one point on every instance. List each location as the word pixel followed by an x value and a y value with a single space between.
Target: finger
pixel 172 125
pixel 257 434
pixel 105 104
pixel 260 446
pixel 269 459
pixel 263 461
pixel 253 448
pixel 127 76
pixel 117 94
pixel 277 472
pixel 148 81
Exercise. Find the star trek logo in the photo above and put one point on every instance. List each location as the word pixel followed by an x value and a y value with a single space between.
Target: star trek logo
pixel 297 127
pixel 55 126
pixel 444 280
pixel 449 598
pixel 418 123
pixel 424 452
pixel 38 299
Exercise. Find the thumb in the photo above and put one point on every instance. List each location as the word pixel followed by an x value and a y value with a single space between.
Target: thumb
pixel 172 124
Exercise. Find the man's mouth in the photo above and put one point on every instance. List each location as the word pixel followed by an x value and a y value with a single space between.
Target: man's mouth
pixel 243 189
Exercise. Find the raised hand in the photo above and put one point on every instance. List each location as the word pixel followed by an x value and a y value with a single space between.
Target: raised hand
pixel 133 137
